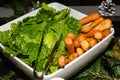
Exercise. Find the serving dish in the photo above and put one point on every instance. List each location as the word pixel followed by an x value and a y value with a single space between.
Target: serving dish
pixel 73 66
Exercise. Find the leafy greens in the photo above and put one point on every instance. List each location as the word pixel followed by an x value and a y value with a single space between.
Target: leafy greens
pixel 25 36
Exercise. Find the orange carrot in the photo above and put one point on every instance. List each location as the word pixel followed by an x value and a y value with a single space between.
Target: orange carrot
pixel 91 41
pixel 89 18
pixel 76 43
pixel 81 37
pixel 69 45
pixel 98 35
pixel 104 25
pixel 71 35
pixel 86 29
pixel 84 45
pixel 91 33
pixel 73 56
pixel 62 61
pixel 79 51
pixel 106 33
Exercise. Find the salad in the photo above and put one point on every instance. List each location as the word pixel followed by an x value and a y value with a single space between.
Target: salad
pixel 25 36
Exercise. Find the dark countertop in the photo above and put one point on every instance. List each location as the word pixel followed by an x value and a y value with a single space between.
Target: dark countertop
pixel 90 9
pixel 7 68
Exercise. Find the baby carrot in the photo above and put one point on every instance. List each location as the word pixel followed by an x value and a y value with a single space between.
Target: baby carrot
pixel 73 56
pixel 76 43
pixel 84 45
pixel 91 41
pixel 79 51
pixel 86 29
pixel 98 35
pixel 71 35
pixel 104 25
pixel 69 45
pixel 91 33
pixel 81 37
pixel 106 32
pixel 89 18
pixel 62 61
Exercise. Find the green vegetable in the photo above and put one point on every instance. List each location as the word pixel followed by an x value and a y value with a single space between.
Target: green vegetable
pixel 25 36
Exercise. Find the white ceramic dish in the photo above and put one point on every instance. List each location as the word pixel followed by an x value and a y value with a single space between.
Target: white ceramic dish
pixel 73 66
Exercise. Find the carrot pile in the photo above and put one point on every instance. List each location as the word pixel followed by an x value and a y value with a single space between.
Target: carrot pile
pixel 94 29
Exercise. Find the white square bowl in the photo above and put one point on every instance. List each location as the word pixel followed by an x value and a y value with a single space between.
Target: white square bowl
pixel 73 66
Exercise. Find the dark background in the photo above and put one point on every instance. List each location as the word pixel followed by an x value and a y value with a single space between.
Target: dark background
pixel 82 2
pixel 65 2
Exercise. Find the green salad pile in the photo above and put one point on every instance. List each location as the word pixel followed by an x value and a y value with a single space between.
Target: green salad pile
pixel 24 38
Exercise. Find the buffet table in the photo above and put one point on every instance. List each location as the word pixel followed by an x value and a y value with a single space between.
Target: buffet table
pixel 9 71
